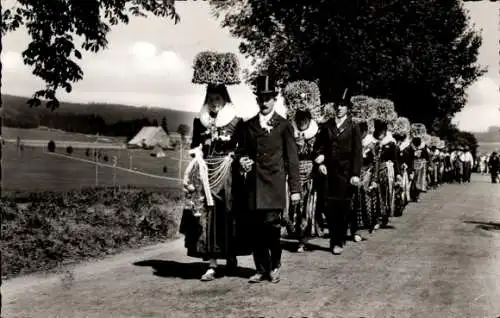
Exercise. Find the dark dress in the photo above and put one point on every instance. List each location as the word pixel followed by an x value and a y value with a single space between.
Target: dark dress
pixel 218 231
pixel 388 170
pixel 405 159
pixel 303 219
pixel 365 201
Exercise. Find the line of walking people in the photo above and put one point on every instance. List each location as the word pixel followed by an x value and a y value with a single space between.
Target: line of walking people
pixel 347 166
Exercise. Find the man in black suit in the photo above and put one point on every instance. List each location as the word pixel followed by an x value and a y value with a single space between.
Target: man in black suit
pixel 339 154
pixel 267 153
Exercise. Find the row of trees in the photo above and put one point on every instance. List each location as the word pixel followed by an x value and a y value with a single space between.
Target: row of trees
pixel 420 54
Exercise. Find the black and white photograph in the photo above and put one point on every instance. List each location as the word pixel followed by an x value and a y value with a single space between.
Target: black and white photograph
pixel 250 158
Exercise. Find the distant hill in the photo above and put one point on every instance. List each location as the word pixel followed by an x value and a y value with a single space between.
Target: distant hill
pixel 88 117
pixel 492 135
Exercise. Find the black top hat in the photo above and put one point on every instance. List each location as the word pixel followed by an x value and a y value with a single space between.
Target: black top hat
pixel 264 84
pixel 343 102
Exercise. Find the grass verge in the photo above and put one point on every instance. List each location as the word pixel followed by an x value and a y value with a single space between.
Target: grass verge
pixel 42 231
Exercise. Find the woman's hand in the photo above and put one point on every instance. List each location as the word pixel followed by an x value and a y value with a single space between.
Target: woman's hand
pixel 323 170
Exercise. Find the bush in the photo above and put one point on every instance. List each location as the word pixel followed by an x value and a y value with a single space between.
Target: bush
pixel 69 150
pixel 51 146
pixel 87 152
pixel 50 229
pixel 165 170
pixel 106 158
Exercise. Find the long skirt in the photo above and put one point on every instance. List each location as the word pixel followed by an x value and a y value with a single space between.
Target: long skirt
pixel 401 194
pixel 386 187
pixel 384 209
pixel 302 216
pixel 467 171
pixel 420 169
pixel 364 204
pixel 214 231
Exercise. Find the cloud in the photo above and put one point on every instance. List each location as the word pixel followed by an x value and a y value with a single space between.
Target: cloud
pixel 482 110
pixel 147 60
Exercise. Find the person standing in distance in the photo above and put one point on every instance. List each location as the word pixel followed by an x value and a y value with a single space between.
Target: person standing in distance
pixel 267 153
pixel 339 156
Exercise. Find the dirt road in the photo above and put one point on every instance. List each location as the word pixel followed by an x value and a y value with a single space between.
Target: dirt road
pixel 441 259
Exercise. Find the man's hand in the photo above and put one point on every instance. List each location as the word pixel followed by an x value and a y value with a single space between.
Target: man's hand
pixel 246 164
pixel 322 170
pixel 355 181
pixel 295 197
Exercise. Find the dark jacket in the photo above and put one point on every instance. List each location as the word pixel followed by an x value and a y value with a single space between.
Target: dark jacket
pixel 275 157
pixel 342 150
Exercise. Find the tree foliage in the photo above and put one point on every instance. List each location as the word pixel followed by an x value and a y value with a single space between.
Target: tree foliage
pixel 420 54
pixel 55 26
pixel 183 130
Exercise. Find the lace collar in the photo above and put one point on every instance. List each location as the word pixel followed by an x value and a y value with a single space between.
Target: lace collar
pixel 405 144
pixel 308 133
pixel 225 115
pixel 369 139
pixel 388 138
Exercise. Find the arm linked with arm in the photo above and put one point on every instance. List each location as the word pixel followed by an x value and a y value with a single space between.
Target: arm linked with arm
pixel 291 156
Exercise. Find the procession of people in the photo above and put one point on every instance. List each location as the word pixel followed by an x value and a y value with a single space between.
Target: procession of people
pixel 342 170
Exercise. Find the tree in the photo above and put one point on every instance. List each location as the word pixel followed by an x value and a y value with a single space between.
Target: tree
pixel 155 123
pixel 54 26
pixel 183 130
pixel 164 124
pixel 420 54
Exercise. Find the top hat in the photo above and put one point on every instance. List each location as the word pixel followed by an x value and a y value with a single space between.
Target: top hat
pixel 264 85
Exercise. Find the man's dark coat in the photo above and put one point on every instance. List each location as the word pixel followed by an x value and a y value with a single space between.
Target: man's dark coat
pixel 342 150
pixel 275 157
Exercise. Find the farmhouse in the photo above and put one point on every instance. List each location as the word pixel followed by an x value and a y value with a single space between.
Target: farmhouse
pixel 150 137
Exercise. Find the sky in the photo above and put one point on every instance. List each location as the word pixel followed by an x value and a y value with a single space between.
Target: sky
pixel 148 63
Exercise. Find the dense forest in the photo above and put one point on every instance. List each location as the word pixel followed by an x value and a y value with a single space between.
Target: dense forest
pixel 105 119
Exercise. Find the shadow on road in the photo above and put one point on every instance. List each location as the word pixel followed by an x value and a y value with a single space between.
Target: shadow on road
pixel 488 226
pixel 193 270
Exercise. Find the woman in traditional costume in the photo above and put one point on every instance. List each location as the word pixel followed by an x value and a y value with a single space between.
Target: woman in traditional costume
pixel 302 99
pixel 365 201
pixel 441 158
pixel 434 158
pixel 210 220
pixel 401 132
pixel 387 155
pixel 420 159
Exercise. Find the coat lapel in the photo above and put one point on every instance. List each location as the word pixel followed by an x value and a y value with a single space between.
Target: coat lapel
pixel 343 127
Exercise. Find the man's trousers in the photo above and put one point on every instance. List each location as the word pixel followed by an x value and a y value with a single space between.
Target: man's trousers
pixel 338 217
pixel 267 240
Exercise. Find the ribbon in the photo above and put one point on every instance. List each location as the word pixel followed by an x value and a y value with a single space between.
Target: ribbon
pixel 203 169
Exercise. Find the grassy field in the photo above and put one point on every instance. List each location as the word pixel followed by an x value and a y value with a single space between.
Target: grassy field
pixel 488 147
pixel 35 170
pixel 53 134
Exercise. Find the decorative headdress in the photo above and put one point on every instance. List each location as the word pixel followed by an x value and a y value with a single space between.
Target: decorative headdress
pixel 385 111
pixel 434 142
pixel 426 139
pixel 441 144
pixel 418 130
pixel 363 110
pixel 327 112
pixel 401 126
pixel 216 68
pixel 303 96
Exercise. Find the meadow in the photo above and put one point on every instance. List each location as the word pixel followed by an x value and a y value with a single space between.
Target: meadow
pixel 43 133
pixel 54 213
